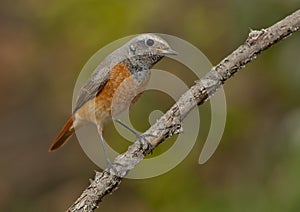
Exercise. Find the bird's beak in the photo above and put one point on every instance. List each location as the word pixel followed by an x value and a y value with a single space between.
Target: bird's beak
pixel 168 51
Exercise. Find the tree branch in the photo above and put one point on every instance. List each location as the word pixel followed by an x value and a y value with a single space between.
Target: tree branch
pixel 171 122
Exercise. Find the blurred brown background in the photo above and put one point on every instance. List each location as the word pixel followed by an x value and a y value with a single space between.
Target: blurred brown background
pixel 43 46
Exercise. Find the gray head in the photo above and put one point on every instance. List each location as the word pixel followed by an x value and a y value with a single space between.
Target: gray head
pixel 149 44
pixel 147 49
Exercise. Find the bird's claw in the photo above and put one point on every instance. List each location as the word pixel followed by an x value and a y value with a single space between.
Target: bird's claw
pixel 144 143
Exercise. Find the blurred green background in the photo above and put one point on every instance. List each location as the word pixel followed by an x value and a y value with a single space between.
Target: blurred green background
pixel 43 46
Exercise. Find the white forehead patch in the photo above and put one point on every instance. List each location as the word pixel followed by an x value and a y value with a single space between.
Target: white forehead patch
pixel 150 36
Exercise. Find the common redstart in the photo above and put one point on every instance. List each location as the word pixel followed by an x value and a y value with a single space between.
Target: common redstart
pixel 116 81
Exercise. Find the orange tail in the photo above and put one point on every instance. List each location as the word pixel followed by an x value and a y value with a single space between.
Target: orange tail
pixel 64 135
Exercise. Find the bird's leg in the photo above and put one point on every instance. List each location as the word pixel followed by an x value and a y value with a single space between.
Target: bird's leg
pixel 140 137
pixel 100 130
pixel 128 128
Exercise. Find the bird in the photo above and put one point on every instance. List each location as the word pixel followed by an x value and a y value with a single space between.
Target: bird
pixel 116 82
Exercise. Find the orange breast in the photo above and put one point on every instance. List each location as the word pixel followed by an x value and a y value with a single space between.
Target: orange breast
pixel 114 98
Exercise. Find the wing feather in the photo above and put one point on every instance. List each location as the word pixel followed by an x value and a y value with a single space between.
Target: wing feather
pixel 92 87
pixel 99 78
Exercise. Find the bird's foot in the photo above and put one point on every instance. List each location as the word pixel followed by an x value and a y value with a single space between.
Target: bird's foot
pixel 141 138
pixel 144 143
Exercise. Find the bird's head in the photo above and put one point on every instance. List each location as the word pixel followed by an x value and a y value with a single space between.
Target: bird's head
pixel 148 49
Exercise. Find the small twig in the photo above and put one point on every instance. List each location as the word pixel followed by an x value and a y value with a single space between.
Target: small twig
pixel 170 123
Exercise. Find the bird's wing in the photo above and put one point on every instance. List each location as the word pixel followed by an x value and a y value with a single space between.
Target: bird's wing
pixel 92 87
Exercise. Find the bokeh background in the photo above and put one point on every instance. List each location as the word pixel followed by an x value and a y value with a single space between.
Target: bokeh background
pixel 44 45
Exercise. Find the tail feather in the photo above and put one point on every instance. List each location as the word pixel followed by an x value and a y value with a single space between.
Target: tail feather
pixel 64 135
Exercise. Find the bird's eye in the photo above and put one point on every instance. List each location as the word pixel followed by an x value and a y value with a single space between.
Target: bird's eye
pixel 150 42
pixel 132 48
